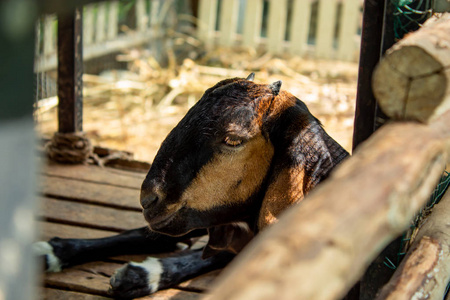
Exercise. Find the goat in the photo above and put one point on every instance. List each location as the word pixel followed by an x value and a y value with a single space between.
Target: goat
pixel 241 155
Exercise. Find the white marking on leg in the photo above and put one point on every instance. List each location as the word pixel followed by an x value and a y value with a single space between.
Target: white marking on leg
pixel 154 270
pixel 44 248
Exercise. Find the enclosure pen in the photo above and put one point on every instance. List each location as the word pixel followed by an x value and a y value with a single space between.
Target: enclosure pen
pixel 320 248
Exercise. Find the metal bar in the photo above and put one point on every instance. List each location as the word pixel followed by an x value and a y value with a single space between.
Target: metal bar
pixel 371 45
pixel 70 72
pixel 377 37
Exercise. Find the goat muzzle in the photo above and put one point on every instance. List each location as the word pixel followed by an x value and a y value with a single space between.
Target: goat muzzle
pixel 151 198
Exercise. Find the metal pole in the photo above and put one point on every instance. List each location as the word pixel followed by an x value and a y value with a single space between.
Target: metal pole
pixel 376 38
pixel 70 72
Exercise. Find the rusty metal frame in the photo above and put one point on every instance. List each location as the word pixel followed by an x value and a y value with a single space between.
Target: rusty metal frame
pixel 70 71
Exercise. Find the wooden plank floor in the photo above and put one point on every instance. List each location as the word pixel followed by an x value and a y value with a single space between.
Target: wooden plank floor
pixel 78 201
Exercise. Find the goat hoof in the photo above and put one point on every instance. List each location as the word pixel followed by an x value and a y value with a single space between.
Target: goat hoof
pixel 45 250
pixel 135 280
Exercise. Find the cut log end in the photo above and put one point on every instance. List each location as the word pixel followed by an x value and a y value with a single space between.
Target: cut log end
pixel 412 82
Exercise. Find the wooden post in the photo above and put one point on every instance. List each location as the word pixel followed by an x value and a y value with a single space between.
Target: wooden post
pixel 113 20
pixel 228 22
pixel 70 72
pixel 300 26
pixel 100 27
pixel 207 16
pixel 349 25
pixel 49 36
pixel 276 25
pixel 252 23
pixel 88 24
pixel 325 28
pixel 141 16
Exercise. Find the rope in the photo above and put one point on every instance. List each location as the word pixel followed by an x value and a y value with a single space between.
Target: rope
pixel 69 148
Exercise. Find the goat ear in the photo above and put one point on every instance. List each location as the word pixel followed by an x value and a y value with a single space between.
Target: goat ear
pixel 305 155
pixel 230 237
pixel 251 77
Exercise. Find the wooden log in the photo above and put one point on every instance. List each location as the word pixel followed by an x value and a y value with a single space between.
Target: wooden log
pixel 413 80
pixel 425 271
pixel 321 247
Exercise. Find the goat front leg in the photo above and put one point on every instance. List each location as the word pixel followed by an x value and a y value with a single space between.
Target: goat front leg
pixel 135 280
pixel 61 253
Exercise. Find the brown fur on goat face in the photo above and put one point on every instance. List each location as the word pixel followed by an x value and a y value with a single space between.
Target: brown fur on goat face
pixel 243 153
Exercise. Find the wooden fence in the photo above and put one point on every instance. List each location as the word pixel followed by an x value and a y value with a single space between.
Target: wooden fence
pixel 100 31
pixel 321 28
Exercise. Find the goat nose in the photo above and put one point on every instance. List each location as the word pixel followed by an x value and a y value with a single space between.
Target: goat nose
pixel 150 198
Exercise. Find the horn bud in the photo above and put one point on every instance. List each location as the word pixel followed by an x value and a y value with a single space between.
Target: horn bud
pixel 275 87
pixel 251 77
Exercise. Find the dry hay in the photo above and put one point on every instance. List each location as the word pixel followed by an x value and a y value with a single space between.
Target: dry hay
pixel 134 110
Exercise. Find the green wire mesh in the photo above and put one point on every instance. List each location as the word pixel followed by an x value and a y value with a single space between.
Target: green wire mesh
pixel 435 197
pixel 409 15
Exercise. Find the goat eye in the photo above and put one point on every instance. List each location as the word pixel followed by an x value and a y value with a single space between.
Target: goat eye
pixel 232 142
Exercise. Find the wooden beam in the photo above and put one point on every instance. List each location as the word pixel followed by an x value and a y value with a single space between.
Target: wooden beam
pixel 70 72
pixel 425 269
pixel 321 247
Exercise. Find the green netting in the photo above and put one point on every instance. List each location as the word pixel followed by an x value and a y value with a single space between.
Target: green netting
pixel 435 197
pixel 409 15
